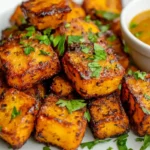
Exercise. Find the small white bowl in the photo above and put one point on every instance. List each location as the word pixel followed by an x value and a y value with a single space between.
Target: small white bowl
pixel 139 51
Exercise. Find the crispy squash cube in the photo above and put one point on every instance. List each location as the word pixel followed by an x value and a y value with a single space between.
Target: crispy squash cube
pixel 18 114
pixel 135 98
pixel 108 118
pixel 77 27
pixel 93 78
pixel 46 13
pixel 113 6
pixel 18 17
pixel 61 86
pixel 57 127
pixel 24 69
pixel 76 11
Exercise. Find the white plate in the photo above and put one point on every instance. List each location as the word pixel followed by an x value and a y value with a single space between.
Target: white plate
pixel 6 9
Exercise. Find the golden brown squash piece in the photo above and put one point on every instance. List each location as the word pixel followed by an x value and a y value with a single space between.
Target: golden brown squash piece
pixel 27 62
pixel 108 118
pixel 136 101
pixel 76 11
pixel 77 27
pixel 46 13
pixel 93 78
pixel 113 6
pixel 18 113
pixel 57 127
pixel 61 86
pixel 18 17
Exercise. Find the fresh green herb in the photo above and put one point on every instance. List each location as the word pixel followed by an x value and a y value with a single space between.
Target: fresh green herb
pixel 44 53
pixel 133 25
pixel 87 116
pixel 87 18
pixel 104 28
pixel 98 23
pixel 46 148
pixel 43 39
pixel 138 34
pixel 121 142
pixel 147 96
pixel 23 20
pixel 71 105
pixel 31 31
pixel 59 41
pixel 47 31
pixel 126 48
pixel 95 68
pixel 15 113
pixel 107 15
pixel 91 144
pixel 120 86
pixel 0 128
pixel 130 72
pixel 139 139
pixel 109 148
pixel 67 25
pixel 146 143
pixel 10 36
pixel 85 49
pixel 146 111
pixel 74 39
pixel 100 53
pixel 28 49
pixel 92 37
pixel 112 38
pixel 139 75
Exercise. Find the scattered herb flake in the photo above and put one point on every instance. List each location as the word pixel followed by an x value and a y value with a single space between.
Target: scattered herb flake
pixel 43 39
pixel 138 34
pixel 139 75
pixel 126 49
pixel 67 25
pixel 87 116
pixel 92 37
pixel 28 49
pixel 98 23
pixel 130 72
pixel 91 144
pixel 112 38
pixel 74 39
pixel 104 28
pixel 109 148
pixel 23 20
pixel 120 86
pixel 85 49
pixel 147 96
pixel 146 111
pixel 71 105
pixel 146 143
pixel 15 113
pixel 139 139
pixel 87 18
pixel 44 53
pixel 133 25
pixel 31 31
pixel 47 31
pixel 46 148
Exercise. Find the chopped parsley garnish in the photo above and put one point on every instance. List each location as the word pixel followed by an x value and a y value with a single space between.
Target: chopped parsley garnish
pixel 133 25
pixel 85 49
pixel 15 113
pixel 0 128
pixel 146 143
pixel 104 28
pixel 120 86
pixel 74 39
pixel 98 23
pixel 23 20
pixel 46 148
pixel 92 37
pixel 138 34
pixel 31 31
pixel 87 116
pixel 147 96
pixel 44 53
pixel 43 39
pixel 139 75
pixel 67 25
pixel 47 31
pixel 126 48
pixel 71 105
pixel 146 111
pixel 107 15
pixel 121 142
pixel 95 69
pixel 139 139
pixel 112 38
pixel 130 72
pixel 59 42
pixel 91 144
pixel 87 18
pixel 109 148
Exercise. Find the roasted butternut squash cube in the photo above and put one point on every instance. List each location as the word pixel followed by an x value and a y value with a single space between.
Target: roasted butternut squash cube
pixel 90 74
pixel 113 6
pixel 135 98
pixel 76 11
pixel 44 13
pixel 18 114
pixel 77 27
pixel 18 17
pixel 108 118
pixel 28 61
pixel 61 86
pixel 57 127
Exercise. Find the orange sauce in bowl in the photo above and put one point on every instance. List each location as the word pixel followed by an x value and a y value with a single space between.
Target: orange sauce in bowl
pixel 140 26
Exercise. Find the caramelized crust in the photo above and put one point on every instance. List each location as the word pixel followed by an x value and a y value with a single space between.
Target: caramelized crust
pixel 16 131
pixel 57 127
pixel 46 13
pixel 108 118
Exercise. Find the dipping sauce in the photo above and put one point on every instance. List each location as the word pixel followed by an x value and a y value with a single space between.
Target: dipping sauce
pixel 140 26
